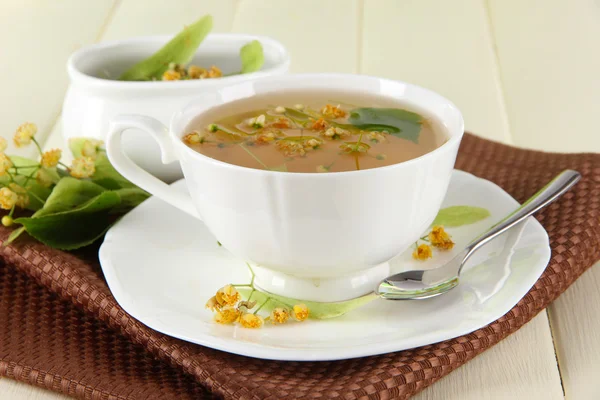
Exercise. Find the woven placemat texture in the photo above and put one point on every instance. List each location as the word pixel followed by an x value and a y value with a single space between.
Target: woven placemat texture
pixel 60 327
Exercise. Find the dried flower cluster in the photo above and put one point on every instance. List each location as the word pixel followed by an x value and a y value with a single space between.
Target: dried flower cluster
pixel 437 238
pixel 178 72
pixel 229 308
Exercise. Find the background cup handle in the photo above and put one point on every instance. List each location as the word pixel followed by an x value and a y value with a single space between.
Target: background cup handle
pixel 134 172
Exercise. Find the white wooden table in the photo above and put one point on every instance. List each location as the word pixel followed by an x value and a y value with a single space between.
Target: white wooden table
pixel 523 72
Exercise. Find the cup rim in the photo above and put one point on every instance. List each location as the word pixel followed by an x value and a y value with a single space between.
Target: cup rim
pixel 79 77
pixel 453 140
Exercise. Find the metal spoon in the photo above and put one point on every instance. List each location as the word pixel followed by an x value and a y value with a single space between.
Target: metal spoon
pixel 423 284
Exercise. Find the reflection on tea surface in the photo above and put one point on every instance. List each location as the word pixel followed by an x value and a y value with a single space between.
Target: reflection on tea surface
pixel 307 131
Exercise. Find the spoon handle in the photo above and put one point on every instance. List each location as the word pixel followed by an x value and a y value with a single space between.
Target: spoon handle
pixel 553 190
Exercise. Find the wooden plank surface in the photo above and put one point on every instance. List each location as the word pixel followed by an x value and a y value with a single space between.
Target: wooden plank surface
pixel 37 38
pixel 490 57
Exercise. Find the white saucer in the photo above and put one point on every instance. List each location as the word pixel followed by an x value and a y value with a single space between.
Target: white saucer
pixel 162 266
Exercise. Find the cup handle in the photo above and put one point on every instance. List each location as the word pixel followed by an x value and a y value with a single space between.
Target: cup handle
pixel 134 172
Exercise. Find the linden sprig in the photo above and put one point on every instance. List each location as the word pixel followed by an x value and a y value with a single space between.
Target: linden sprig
pixel 229 308
pixel 63 198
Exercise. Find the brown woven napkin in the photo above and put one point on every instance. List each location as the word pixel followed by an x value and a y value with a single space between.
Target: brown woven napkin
pixel 61 329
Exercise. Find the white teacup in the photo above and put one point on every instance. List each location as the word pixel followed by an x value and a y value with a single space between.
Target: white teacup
pixel 311 236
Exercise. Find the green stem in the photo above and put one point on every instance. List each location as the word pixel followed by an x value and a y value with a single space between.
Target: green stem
pixel 37 145
pixel 12 210
pixel 251 293
pixel 63 165
pixel 253 155
pixel 34 195
pixel 28 178
pixel 262 305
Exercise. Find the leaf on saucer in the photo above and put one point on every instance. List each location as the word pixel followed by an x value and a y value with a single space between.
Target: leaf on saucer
pixel 252 57
pixel 317 310
pixel 178 50
pixel 400 123
pixel 455 216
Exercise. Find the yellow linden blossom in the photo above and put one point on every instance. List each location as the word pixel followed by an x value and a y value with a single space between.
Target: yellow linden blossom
pixel 170 75
pixel 91 147
pixel 196 72
pixel 215 72
pixel 24 134
pixel 212 304
pixel 227 295
pixel 423 252
pixel 440 238
pixel 3 144
pixel 279 315
pixel 300 312
pixel 43 178
pixel 22 196
pixel 251 321
pixel 194 138
pixel 331 111
pixel 227 315
pixel 5 164
pixel 51 158
pixel 376 136
pixel 8 198
pixel 82 167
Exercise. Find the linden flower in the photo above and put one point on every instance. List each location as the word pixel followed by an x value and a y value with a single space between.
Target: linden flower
pixel 280 109
pixel 170 75
pixel 24 134
pixel 257 122
pixel 51 158
pixel 82 167
pixel 194 138
pixel 265 138
pixel 335 133
pixel 281 123
pixel 8 198
pixel 300 312
pixel 299 106
pixel 376 136
pixel 43 178
pixel 215 72
pixel 227 295
pixel 212 304
pixel 22 196
pixel 319 125
pixel 196 72
pixel 440 238
pixel 322 168
pixel 3 144
pixel 331 111
pixel 5 164
pixel 279 315
pixel 227 315
pixel 252 321
pixel 91 148
pixel 423 252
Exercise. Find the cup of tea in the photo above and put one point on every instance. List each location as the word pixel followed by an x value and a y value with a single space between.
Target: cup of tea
pixel 316 180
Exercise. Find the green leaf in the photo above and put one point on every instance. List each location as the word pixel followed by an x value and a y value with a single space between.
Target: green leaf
pixel 179 50
pixel 296 115
pixel 14 235
pixel 317 310
pixel 252 57
pixel 69 194
pixel 75 228
pixel 400 123
pixel 107 176
pixel 130 198
pixel 460 215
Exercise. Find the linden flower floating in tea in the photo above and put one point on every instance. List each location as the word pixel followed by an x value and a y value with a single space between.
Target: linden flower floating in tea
pixel 303 132
pixel 229 308
pixel 53 201
pixel 437 238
